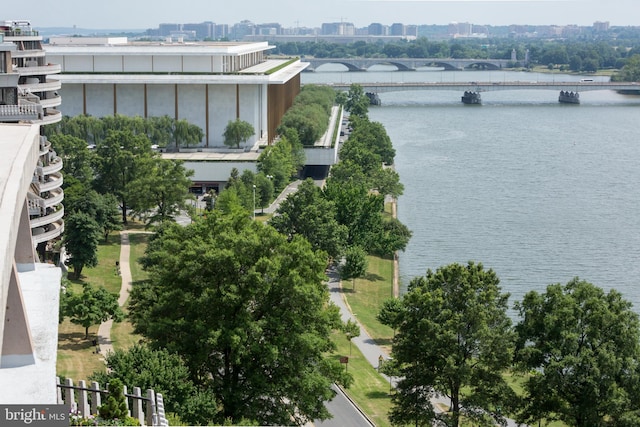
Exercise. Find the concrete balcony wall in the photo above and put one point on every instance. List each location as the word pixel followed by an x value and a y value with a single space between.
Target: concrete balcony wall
pixel 55 230
pixel 51 218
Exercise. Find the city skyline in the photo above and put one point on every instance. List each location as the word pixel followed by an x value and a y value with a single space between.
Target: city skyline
pixel 120 14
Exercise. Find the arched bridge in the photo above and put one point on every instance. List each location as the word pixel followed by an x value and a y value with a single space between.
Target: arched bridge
pixel 475 88
pixel 410 64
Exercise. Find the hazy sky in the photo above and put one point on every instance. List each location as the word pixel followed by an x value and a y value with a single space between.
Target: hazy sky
pixel 142 14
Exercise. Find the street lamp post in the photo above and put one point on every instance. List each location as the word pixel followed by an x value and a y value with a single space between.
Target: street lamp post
pixel 254 201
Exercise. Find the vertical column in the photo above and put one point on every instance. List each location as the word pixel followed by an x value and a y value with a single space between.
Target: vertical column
pixel 151 408
pixel 137 411
pixel 95 397
pixel 69 397
pixel 83 402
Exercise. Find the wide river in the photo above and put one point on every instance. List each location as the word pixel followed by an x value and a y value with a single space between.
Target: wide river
pixel 538 191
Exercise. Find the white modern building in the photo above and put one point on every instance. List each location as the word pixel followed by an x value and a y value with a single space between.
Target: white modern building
pixel 31 213
pixel 208 84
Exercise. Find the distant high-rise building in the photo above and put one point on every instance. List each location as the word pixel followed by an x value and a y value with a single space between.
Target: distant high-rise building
pixel 397 29
pixel 165 30
pixel 600 26
pixel 376 29
pixel 338 29
pixel 203 30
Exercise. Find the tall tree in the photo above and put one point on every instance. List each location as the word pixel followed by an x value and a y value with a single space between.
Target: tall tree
pixel 454 338
pixel 248 311
pixel 237 132
pixel 583 346
pixel 309 214
pixel 355 264
pixel 92 307
pixel 357 101
pixel 117 165
pixel 161 190
pixel 81 237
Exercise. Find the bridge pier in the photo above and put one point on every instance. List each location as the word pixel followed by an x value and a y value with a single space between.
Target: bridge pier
pixel 374 99
pixel 471 98
pixel 567 97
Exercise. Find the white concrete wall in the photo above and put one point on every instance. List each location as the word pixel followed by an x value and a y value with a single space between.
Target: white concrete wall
pixel 107 64
pixel 164 64
pixel 161 100
pixel 72 96
pixel 81 63
pixel 222 109
pixel 191 105
pixel 133 64
pixel 130 100
pixel 99 99
pixel 217 171
pixel 197 64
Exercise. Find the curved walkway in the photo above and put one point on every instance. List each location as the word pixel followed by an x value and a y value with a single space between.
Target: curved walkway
pixel 104 331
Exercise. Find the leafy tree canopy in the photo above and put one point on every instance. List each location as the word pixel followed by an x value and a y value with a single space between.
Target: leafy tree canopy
pixel 248 311
pixel 454 337
pixel 583 346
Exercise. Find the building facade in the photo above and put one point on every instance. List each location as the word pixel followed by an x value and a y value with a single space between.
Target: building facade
pixel 31 211
pixel 208 84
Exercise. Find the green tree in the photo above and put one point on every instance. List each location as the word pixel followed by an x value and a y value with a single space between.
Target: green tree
pixel 236 132
pixel 92 307
pixel 308 214
pixel 160 190
pixel 583 346
pixel 355 264
pixel 454 338
pixel 81 236
pixel 389 313
pixel 119 158
pixel 248 311
pixel 115 408
pixel 165 373
pixel 357 101
pixel 351 329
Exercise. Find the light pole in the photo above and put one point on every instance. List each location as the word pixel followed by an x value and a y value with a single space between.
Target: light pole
pixel 254 201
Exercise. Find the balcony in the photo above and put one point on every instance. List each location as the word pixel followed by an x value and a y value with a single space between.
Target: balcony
pixel 51 102
pixel 50 218
pixel 51 116
pixel 49 85
pixel 55 198
pixel 55 181
pixel 54 166
pixel 44 234
pixel 29 53
pixel 39 70
pixel 22 112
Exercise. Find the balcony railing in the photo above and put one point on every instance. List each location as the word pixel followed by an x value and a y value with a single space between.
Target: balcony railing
pixel 41 87
pixel 23 111
pixel 147 409
pixel 42 234
pixel 53 217
pixel 55 181
pixel 54 166
pixel 39 70
pixel 51 116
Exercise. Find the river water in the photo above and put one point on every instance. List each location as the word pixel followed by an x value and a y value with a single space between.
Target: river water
pixel 538 191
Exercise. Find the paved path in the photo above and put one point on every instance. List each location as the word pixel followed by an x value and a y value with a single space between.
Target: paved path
pixel 104 331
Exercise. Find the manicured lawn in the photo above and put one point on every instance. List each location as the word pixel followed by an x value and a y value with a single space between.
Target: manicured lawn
pixel 369 390
pixel 76 355
pixel 369 294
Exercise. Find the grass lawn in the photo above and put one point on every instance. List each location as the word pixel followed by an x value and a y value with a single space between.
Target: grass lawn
pixel 369 294
pixel 369 390
pixel 77 358
pixel 76 355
